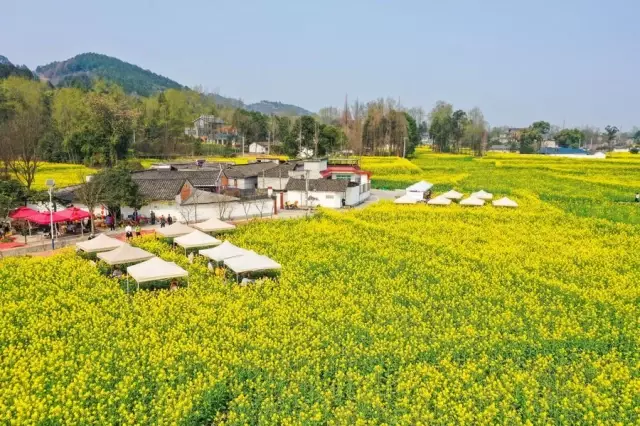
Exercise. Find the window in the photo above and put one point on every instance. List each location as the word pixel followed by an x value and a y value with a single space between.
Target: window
pixel 329 196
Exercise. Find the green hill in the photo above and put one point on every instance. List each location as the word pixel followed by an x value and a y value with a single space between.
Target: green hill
pixel 8 69
pixel 82 69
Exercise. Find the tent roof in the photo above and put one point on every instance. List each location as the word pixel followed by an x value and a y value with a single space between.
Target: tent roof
pixel 213 224
pixel 45 218
pixel 452 195
pixel 251 262
pixel 421 186
pixel 224 251
pixel 482 194
pixel 125 254
pixel 472 201
pixel 100 243
pixel 197 239
pixel 505 202
pixel 175 230
pixel 22 213
pixel 155 269
pixel 74 213
pixel 439 201
pixel 406 199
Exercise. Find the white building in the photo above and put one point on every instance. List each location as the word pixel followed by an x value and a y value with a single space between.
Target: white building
pixel 258 148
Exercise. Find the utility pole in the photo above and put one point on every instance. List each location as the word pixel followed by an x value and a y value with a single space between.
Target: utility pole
pixel 300 134
pixel 404 147
pixel 316 139
pixel 243 145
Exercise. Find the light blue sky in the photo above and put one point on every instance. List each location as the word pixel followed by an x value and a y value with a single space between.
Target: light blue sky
pixel 520 61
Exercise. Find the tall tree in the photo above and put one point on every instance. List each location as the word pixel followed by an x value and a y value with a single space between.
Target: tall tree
pixel 475 131
pixel 26 126
pixel 610 134
pixel 458 124
pixel 542 128
pixel 529 140
pixel 92 193
pixel 118 189
pixel 569 138
pixel 441 126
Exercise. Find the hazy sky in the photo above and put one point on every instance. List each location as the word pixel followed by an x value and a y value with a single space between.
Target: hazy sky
pixel 520 61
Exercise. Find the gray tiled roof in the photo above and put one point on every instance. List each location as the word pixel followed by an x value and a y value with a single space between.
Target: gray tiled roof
pixel 248 170
pixel 281 171
pixel 202 175
pixel 157 190
pixel 204 197
pixel 318 185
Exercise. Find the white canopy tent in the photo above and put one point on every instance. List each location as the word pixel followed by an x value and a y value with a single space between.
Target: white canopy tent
pixel 175 230
pixel 125 254
pixel 505 202
pixel 214 225
pixel 100 243
pixel 472 201
pixel 226 250
pixel 196 239
pixel 482 195
pixel 452 195
pixel 155 269
pixel 406 199
pixel 251 262
pixel 418 189
pixel 439 201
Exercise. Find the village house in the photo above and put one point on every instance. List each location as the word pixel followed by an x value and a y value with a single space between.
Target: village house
pixel 258 148
pixel 313 182
pixel 211 129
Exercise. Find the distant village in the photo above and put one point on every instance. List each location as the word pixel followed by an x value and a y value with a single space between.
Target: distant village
pixel 196 191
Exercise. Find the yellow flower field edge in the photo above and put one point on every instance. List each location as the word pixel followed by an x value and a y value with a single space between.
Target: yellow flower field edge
pixel 390 314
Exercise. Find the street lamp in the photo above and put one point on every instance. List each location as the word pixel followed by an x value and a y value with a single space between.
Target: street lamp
pixel 50 184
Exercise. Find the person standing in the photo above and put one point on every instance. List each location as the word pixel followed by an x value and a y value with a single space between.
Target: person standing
pixel 152 216
pixel 128 232
pixel 169 219
pixel 162 221
pixel 109 221
pixel 637 197
pixel 138 230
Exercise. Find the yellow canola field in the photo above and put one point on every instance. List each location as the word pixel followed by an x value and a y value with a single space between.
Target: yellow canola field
pixel 386 315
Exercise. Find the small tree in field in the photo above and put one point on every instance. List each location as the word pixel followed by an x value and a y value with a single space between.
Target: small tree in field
pixel 91 194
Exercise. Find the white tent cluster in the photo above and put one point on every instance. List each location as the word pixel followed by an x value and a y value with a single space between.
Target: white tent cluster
pixel 124 254
pixel 439 201
pixel 415 193
pixel 196 239
pixel 472 201
pixel 406 199
pixel 240 260
pixel 418 189
pixel 99 244
pixel 175 230
pixel 452 195
pixel 155 269
pixel 214 225
pixel 505 202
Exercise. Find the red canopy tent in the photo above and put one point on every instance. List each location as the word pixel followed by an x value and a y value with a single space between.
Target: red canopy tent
pixel 22 213
pixel 73 214
pixel 45 218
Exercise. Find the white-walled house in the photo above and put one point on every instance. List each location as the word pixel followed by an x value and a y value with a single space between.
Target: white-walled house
pixel 277 178
pixel 317 192
pixel 258 148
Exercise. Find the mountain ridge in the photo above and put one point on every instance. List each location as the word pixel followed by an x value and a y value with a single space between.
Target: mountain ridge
pixel 80 70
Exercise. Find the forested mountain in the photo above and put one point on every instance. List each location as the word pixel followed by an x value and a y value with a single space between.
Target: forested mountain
pixel 80 70
pixel 277 108
pixel 7 69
